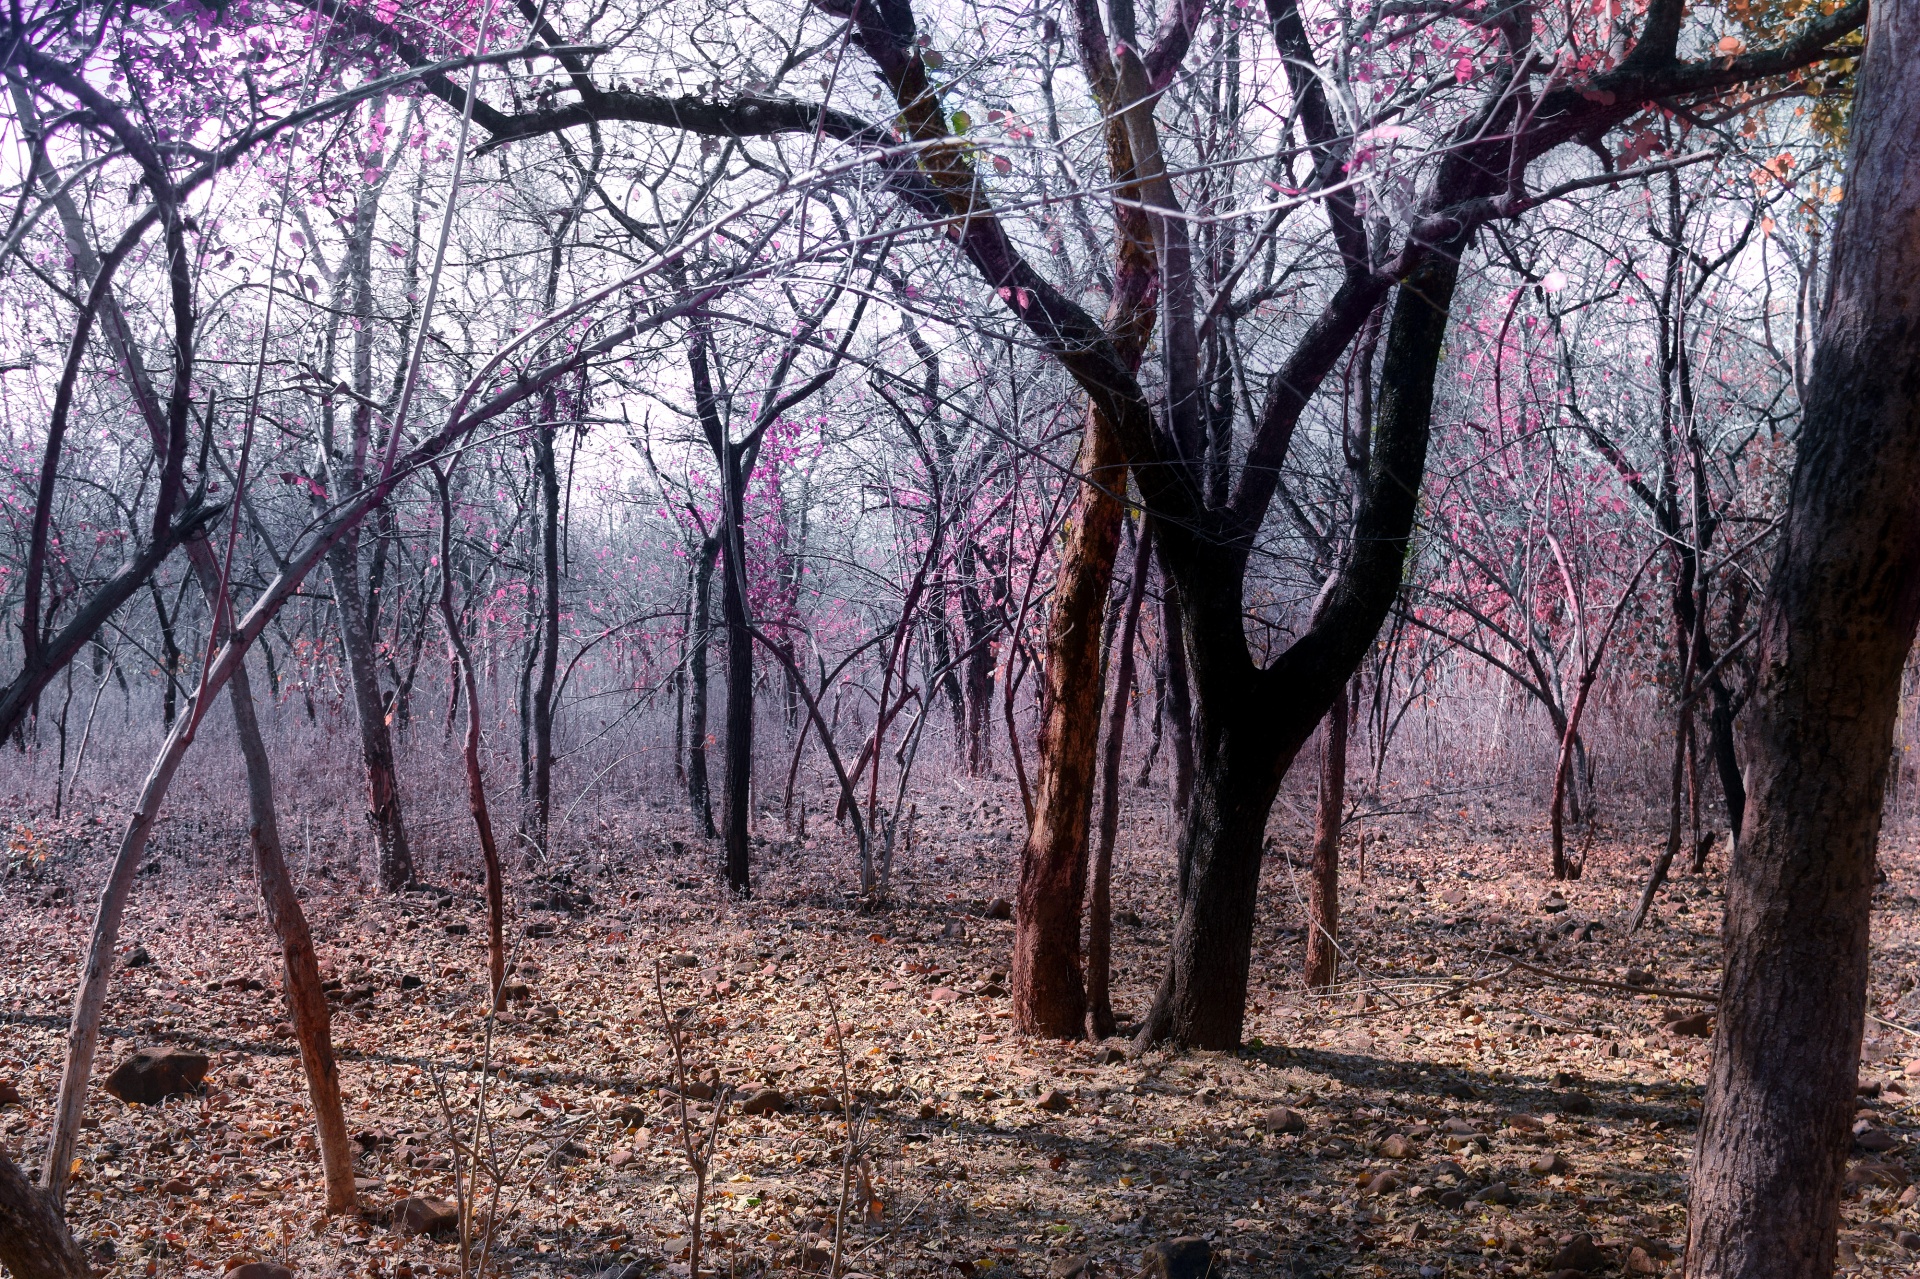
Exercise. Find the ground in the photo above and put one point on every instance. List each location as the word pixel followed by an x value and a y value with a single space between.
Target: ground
pixel 1439 1071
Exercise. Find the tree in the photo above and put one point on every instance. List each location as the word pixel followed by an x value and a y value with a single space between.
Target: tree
pixel 1836 628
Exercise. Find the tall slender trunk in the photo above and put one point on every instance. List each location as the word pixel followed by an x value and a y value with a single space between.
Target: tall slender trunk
pixel 1323 888
pixel 699 791
pixel 1836 629
pixel 549 473
pixel 393 860
pixel 737 780
pixel 1100 1019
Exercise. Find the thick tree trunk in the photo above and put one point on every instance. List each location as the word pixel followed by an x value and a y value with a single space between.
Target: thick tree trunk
pixel 34 1240
pixel 393 862
pixel 1049 997
pixel 1323 888
pixel 1835 631
pixel 549 630
pixel 737 782
pixel 1179 696
pixel 699 790
pixel 1100 1019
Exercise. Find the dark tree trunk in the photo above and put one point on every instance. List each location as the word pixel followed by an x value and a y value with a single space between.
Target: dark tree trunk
pixel 549 474
pixel 1100 1020
pixel 1179 696
pixel 737 782
pixel 393 861
pixel 1323 888
pixel 1835 631
pixel 979 664
pixel 34 1240
pixel 699 791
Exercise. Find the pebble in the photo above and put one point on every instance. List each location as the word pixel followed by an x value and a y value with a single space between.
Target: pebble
pixel 1054 1101
pixel 1396 1146
pixel 1281 1119
pixel 137 958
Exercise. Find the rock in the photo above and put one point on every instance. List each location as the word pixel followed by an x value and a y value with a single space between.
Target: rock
pixel 455 928
pixel 1908 1239
pixel 137 958
pixel 954 930
pixel 259 1270
pixel 1110 1056
pixel 9 1093
pixel 1578 1254
pixel 1695 1025
pixel 1639 977
pixel 1876 1172
pixel 410 982
pixel 1382 1183
pixel 1280 1119
pixel 943 994
pixel 176 1186
pixel 1554 903
pixel 1188 1257
pixel 1640 1262
pixel 999 908
pixel 1396 1146
pixel 764 1101
pixel 418 1215
pixel 1054 1101
pixel 1547 1166
pixel 1575 1103
pixel 683 961
pixel 538 928
pixel 1875 1141
pixel 151 1075
pixel 1070 1268
pixel 1498 1193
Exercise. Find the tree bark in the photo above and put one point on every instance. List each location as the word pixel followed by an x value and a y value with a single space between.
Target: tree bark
pixel 393 860
pixel 1835 631
pixel 1100 1019
pixel 1179 695
pixel 699 790
pixel 1323 889
pixel 34 1240
pixel 549 474
pixel 736 794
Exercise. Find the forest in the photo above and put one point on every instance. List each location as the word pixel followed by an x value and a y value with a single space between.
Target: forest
pixel 1116 639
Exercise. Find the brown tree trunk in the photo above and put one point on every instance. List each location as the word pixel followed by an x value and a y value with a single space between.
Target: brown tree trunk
pixel 1323 888
pixel 393 861
pixel 34 1240
pixel 699 788
pixel 548 468
pixel 1835 631
pixel 1100 1020
pixel 1179 696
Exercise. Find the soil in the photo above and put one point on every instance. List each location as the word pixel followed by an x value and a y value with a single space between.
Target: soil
pixel 1456 1113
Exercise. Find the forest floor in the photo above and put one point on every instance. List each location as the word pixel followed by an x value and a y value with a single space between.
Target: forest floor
pixel 1447 1112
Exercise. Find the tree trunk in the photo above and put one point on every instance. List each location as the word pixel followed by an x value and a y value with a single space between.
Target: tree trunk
pixel 393 862
pixel 34 1240
pixel 1323 889
pixel 1179 696
pixel 737 783
pixel 1835 631
pixel 1100 1020
pixel 1048 995
pixel 549 628
pixel 699 791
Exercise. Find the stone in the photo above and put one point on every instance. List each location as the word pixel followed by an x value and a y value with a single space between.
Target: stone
pixel 1575 1103
pixel 1497 1193
pixel 683 961
pixel 943 994
pixel 999 908
pixel 1281 1119
pixel 1070 1268
pixel 1696 1026
pixel 151 1075
pixel 454 928
pixel 1639 977
pixel 1396 1146
pixel 1547 1166
pixel 1579 1255
pixel 1553 904
pixel 9 1093
pixel 137 958
pixel 259 1270
pixel 1110 1056
pixel 1382 1183
pixel 764 1101
pixel 1640 1262
pixel 1877 1172
pixel 418 1215
pixel 1054 1101
pixel 1875 1141
pixel 538 928
pixel 1188 1257
pixel 176 1186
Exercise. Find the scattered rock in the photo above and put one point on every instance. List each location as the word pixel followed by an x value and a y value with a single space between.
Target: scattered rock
pixel 1575 1103
pixel 1054 1101
pixel 943 994
pixel 176 1186
pixel 1381 1183
pixel 410 982
pixel 9 1093
pixel 1695 1025
pixel 1547 1166
pixel 1396 1146
pixel 1070 1268
pixel 999 908
pixel 259 1270
pixel 1188 1257
pixel 137 958
pixel 1497 1193
pixel 1579 1255
pixel 1554 903
pixel 418 1215
pixel 151 1075
pixel 1110 1056
pixel 764 1101
pixel 1280 1119
pixel 455 928
pixel 1639 977
pixel 683 961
